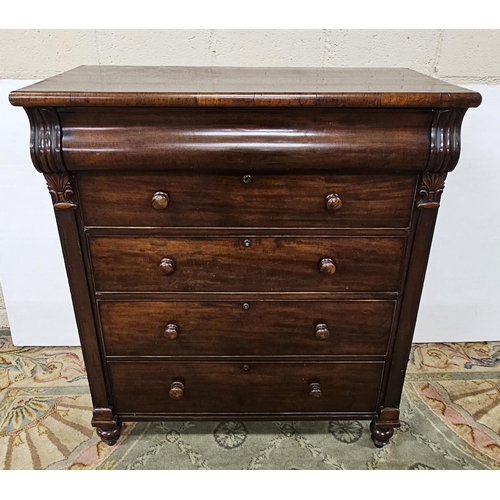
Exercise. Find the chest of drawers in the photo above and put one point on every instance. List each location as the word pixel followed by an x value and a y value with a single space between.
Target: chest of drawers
pixel 245 243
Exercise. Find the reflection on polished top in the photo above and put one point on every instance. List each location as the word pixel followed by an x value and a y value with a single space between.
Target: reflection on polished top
pixel 248 87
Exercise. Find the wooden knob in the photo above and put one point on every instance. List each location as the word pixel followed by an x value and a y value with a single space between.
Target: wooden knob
pixel 167 266
pixel 322 331
pixel 315 390
pixel 176 390
pixel 327 266
pixel 171 331
pixel 333 202
pixel 160 200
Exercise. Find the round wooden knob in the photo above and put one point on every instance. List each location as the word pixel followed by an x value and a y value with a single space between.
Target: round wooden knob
pixel 176 390
pixel 322 331
pixel 327 266
pixel 315 390
pixel 160 200
pixel 167 266
pixel 171 331
pixel 333 202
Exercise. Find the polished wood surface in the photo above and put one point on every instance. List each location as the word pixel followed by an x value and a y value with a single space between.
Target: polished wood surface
pixel 232 387
pixel 246 327
pixel 226 86
pixel 239 139
pixel 245 243
pixel 281 264
pixel 225 201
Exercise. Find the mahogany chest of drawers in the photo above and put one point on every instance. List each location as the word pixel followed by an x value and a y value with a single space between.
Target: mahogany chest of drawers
pixel 245 243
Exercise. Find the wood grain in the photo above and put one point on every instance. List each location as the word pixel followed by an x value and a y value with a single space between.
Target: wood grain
pixel 213 264
pixel 253 87
pixel 264 328
pixel 225 200
pixel 227 387
pixel 239 139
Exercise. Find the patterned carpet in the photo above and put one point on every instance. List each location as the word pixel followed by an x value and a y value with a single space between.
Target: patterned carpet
pixel 450 420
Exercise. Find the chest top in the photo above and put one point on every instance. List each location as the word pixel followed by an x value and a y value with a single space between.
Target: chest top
pixel 247 87
pixel 133 118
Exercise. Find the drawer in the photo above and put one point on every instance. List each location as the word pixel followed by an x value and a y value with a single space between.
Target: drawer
pixel 239 328
pixel 260 264
pixel 258 387
pixel 252 200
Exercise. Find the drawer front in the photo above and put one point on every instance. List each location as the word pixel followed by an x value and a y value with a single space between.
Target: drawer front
pixel 245 388
pixel 239 328
pixel 260 264
pixel 252 200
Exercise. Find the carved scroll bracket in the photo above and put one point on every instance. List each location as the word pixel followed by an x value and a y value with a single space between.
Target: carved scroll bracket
pixel 61 190
pixel 445 140
pixel 45 140
pixel 431 188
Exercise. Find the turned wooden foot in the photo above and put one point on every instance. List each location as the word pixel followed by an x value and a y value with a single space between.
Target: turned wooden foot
pixel 109 435
pixel 382 427
pixel 380 435
pixel 108 427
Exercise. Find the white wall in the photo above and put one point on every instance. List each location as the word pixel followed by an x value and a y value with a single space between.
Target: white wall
pixel 32 270
pixel 467 56
pixel 461 300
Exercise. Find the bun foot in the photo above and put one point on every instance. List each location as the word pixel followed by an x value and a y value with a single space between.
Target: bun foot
pixel 107 425
pixel 110 435
pixel 382 426
pixel 380 435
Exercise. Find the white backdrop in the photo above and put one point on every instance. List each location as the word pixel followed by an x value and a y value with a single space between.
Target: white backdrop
pixel 461 300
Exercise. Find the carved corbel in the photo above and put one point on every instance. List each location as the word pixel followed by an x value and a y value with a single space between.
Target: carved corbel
pixel 445 140
pixel 61 190
pixel 45 140
pixel 46 154
pixel 431 188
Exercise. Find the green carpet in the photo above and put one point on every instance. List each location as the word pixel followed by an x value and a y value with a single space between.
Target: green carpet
pixel 450 420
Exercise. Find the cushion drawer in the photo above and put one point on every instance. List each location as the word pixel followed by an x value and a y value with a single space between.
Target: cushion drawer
pixel 225 200
pixel 260 264
pixel 239 328
pixel 233 388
